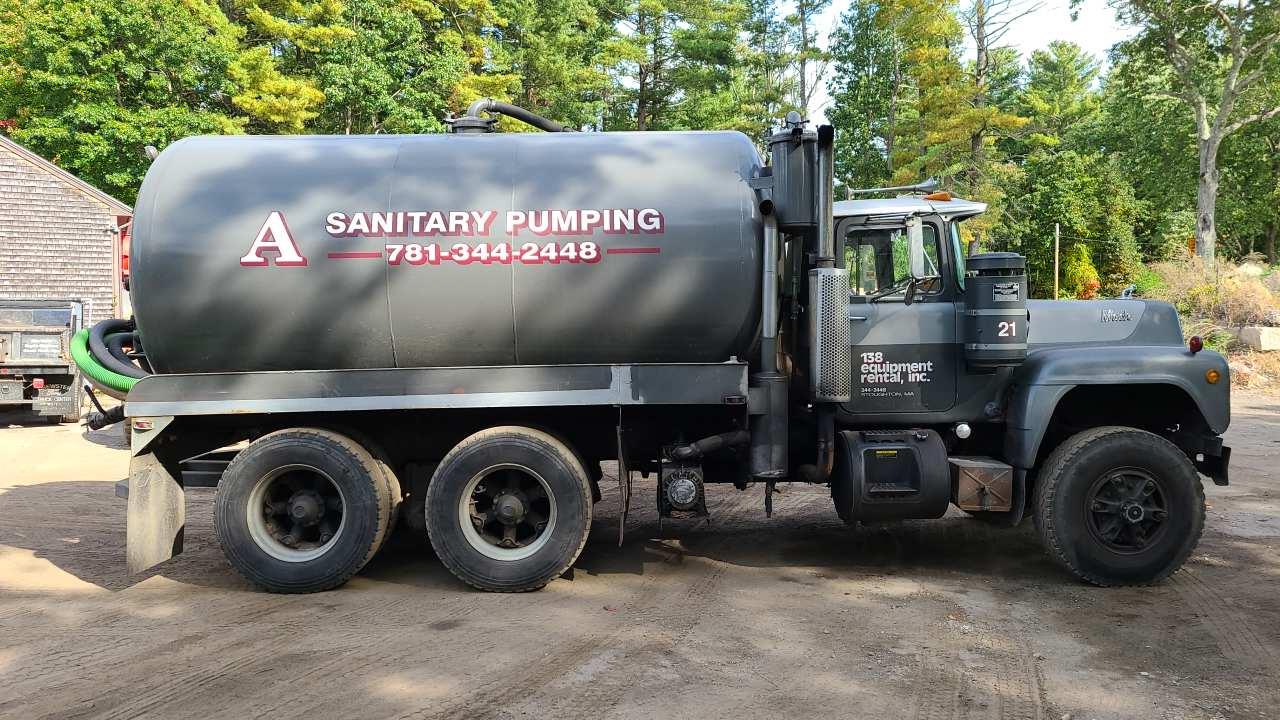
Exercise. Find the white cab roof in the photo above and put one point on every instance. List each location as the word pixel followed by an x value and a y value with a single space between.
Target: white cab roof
pixel 953 209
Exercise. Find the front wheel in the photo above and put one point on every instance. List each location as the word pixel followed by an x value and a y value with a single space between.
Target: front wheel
pixel 1119 506
pixel 509 509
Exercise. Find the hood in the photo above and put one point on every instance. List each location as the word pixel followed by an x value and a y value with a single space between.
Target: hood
pixel 1102 322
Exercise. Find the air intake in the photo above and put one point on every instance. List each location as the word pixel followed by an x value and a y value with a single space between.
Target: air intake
pixel 831 364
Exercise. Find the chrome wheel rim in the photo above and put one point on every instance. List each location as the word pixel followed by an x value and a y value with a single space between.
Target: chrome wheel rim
pixel 296 513
pixel 507 512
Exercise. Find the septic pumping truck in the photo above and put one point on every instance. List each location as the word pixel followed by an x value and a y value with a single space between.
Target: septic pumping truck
pixel 458 329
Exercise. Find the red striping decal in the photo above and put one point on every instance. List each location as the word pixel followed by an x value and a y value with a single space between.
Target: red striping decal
pixel 633 251
pixel 356 255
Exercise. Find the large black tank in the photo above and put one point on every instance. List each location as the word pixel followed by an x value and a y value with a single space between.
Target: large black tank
pixel 446 250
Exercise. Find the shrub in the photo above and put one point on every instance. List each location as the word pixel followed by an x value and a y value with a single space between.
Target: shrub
pixel 1148 283
pixel 1079 276
pixel 1239 297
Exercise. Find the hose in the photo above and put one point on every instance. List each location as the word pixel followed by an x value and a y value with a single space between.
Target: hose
pixel 519 113
pixel 115 346
pixel 102 354
pixel 708 445
pixel 96 370
pixel 98 420
pixel 92 384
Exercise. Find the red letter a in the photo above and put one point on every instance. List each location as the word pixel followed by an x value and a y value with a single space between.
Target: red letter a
pixel 274 236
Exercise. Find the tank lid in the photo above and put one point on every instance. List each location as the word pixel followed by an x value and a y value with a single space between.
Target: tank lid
pixel 995 261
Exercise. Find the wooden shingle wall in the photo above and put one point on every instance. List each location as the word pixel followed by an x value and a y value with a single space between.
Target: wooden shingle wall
pixel 55 241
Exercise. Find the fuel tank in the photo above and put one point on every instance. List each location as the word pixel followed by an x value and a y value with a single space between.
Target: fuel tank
pixel 292 253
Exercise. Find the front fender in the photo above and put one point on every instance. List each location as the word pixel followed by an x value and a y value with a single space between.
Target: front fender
pixel 1049 374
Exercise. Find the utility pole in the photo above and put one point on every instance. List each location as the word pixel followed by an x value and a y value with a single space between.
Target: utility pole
pixel 1057 239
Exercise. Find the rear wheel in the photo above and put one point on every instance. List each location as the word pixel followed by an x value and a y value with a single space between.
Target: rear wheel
pixel 509 509
pixel 301 510
pixel 1119 506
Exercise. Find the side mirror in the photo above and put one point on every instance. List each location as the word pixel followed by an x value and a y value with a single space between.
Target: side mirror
pixel 915 249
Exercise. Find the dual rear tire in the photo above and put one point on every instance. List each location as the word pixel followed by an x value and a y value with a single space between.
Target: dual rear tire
pixel 303 510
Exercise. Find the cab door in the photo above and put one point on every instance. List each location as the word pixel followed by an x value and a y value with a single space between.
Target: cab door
pixel 905 357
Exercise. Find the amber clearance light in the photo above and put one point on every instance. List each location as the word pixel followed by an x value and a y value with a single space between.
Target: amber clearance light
pixel 1212 376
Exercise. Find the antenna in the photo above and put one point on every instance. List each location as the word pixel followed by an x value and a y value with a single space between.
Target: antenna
pixel 927 186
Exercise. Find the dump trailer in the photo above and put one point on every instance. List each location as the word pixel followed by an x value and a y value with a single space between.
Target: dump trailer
pixel 36 370
pixel 457 330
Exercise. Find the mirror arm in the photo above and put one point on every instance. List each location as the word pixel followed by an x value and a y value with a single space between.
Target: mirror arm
pixel 910 295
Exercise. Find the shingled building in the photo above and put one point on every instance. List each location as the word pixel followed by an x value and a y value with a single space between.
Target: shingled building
pixel 60 238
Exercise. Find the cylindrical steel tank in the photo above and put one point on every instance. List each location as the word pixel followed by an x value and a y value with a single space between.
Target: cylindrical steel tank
pixel 287 253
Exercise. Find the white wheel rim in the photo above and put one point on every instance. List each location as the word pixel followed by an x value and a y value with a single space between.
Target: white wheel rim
pixel 264 532
pixel 484 543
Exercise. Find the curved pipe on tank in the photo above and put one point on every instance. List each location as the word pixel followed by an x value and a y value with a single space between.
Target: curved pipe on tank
pixel 490 105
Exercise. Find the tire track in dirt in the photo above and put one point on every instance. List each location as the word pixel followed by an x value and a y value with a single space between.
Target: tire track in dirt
pixel 672 622
pixel 657 597
pixel 1234 633
pixel 939 688
pixel 996 676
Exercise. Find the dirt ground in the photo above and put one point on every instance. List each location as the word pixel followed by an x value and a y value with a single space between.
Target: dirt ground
pixel 796 617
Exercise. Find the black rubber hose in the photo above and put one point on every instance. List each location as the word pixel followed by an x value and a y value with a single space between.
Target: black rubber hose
pixel 519 113
pixel 98 348
pixel 116 343
pixel 98 420
pixel 708 445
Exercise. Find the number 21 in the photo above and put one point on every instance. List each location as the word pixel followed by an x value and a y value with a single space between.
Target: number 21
pixel 1008 329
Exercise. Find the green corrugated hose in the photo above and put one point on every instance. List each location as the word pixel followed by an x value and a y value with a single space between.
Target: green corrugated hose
pixel 91 367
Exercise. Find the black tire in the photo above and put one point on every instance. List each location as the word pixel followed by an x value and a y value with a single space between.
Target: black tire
pixel 349 468
pixel 1075 519
pixel 532 457
pixel 394 494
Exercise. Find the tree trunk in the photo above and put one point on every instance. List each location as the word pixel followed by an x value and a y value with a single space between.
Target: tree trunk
pixel 1206 204
pixel 980 61
pixel 1270 247
pixel 642 77
pixel 891 129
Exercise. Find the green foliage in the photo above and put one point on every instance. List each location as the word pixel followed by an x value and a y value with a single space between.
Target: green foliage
pixel 90 82
pixel 675 59
pixel 1059 96
pixel 867 89
pixel 1148 282
pixel 394 72
pixel 1095 208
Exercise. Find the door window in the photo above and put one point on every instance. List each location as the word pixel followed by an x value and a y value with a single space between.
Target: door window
pixel 878 263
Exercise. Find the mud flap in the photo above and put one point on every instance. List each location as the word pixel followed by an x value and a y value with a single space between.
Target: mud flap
pixel 157 511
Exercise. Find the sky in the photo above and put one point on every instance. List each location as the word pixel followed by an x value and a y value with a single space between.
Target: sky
pixel 1095 30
